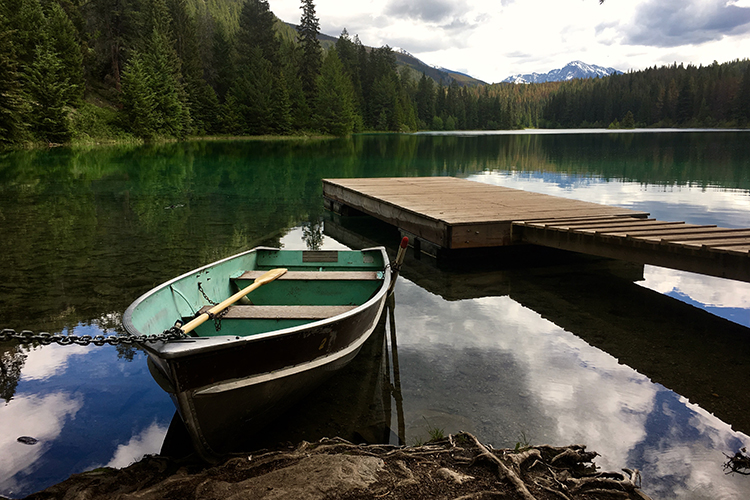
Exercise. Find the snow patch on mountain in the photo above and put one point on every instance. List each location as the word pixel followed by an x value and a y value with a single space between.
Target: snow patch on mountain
pixel 571 71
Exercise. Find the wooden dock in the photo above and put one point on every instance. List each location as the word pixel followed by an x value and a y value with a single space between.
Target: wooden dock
pixel 445 213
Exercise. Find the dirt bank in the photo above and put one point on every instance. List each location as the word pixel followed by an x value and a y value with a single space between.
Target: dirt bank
pixel 458 467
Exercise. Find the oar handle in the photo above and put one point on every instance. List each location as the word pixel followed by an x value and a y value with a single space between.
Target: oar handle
pixel 396 264
pixel 260 280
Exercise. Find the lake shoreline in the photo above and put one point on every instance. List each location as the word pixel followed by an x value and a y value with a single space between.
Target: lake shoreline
pixel 132 140
pixel 451 467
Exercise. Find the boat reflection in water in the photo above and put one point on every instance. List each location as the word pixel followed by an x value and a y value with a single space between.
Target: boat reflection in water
pixel 357 403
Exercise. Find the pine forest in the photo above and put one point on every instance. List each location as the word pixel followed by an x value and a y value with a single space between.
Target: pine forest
pixel 87 71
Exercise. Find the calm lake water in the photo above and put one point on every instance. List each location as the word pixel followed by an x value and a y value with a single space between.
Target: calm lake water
pixel 645 365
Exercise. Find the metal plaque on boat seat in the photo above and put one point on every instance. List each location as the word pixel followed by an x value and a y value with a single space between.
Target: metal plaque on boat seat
pixel 320 256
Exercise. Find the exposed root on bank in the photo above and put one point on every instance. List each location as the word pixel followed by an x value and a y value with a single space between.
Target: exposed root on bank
pixel 458 467
pixel 739 463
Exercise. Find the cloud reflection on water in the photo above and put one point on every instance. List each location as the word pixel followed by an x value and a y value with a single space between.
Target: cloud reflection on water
pixel 40 417
pixel 726 298
pixel 147 442
pixel 694 204
pixel 48 361
pixel 562 391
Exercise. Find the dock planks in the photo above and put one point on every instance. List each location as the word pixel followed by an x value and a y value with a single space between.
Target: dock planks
pixel 448 213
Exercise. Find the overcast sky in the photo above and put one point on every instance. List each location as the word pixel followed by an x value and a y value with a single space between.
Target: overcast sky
pixel 492 39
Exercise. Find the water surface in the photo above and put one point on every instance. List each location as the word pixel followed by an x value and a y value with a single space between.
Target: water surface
pixel 632 361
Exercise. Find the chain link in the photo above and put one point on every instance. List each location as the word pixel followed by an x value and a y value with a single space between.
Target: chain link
pixel 200 289
pixel 44 338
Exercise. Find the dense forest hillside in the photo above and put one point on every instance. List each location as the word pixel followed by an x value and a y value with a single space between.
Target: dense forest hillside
pixel 94 70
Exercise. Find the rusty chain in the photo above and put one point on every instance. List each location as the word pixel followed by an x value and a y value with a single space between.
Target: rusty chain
pixel 44 338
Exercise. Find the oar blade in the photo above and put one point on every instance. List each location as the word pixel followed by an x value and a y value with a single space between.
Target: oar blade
pixel 269 276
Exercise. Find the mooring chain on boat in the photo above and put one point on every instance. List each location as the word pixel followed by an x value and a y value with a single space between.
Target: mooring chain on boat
pixel 208 299
pixel 217 316
pixel 45 338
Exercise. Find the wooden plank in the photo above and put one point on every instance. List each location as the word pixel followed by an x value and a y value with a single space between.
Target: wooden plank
pixel 613 221
pixel 609 225
pixel 698 233
pixel 581 219
pixel 712 235
pixel 316 275
pixel 480 235
pixel 635 230
pixel 282 312
pixel 708 242
pixel 740 249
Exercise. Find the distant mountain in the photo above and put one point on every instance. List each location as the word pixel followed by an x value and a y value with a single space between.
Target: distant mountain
pixel 571 71
pixel 447 76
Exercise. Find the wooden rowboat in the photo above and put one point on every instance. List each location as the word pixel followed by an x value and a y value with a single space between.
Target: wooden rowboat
pixel 234 374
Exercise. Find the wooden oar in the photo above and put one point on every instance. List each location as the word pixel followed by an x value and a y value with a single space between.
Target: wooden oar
pixel 260 280
pixel 396 264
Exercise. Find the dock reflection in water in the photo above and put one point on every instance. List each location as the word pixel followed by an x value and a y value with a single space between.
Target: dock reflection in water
pixel 572 350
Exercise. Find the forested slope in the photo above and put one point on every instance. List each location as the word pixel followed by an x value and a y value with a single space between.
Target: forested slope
pixel 92 70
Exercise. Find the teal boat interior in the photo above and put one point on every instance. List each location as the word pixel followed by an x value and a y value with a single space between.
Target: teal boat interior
pixel 316 286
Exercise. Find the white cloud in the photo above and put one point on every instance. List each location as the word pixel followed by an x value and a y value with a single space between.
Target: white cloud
pixel 486 38
pixel 672 23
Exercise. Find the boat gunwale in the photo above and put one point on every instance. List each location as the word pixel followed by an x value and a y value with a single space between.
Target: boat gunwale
pixel 287 371
pixel 196 345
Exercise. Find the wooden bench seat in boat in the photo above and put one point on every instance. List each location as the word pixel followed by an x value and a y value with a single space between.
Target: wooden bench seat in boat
pixel 281 312
pixel 316 275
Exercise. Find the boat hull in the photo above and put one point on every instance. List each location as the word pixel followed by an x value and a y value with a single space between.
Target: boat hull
pixel 220 411
pixel 228 387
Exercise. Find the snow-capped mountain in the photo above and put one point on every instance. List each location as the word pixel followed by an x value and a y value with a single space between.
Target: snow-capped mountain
pixel 572 70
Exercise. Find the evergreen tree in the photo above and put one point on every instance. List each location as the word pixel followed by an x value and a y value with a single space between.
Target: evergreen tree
pixel 164 91
pixel 169 97
pixel 258 93
pixel 249 100
pixel 224 63
pixel 113 26
pixel 48 89
pixel 686 102
pixel 335 109
pixel 383 101
pixel 425 99
pixel 348 53
pixel 628 121
pixel 138 98
pixel 311 61
pixel 64 39
pixel 256 30
pixel 742 100
pixel 201 98
pixel 12 125
pixel 28 29
pixel 299 108
pixel 281 117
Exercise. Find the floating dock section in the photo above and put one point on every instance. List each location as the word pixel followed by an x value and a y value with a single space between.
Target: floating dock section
pixel 441 214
